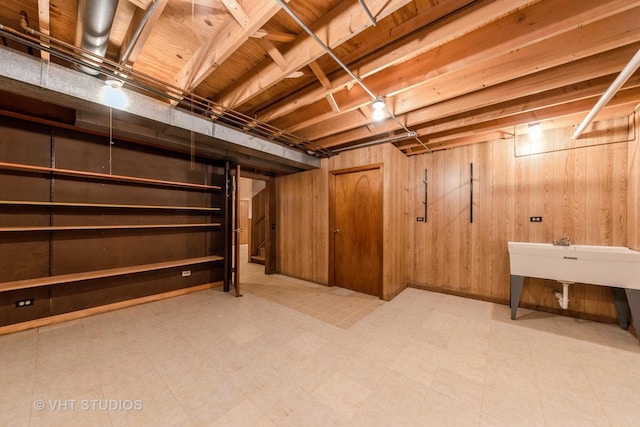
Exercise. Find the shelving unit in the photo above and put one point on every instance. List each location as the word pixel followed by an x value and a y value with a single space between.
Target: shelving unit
pixel 88 275
pixel 105 206
pixel 107 227
pixel 103 176
pixel 89 236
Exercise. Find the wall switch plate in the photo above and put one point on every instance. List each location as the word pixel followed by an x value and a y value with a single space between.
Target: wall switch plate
pixel 24 302
pixel 420 219
pixel 186 273
pixel 535 219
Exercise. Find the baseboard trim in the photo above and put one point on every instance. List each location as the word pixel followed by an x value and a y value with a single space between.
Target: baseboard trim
pixel 59 318
pixel 552 310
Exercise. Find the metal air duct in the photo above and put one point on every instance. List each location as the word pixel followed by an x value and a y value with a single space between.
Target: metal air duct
pixel 93 25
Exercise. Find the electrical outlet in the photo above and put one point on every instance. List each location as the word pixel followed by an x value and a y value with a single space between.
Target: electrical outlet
pixel 535 219
pixel 24 302
pixel 186 273
pixel 420 219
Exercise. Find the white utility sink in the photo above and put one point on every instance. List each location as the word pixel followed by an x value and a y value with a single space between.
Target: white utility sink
pixel 598 265
pixel 614 266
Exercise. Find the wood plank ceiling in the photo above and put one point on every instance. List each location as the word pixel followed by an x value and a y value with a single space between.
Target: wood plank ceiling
pixel 454 71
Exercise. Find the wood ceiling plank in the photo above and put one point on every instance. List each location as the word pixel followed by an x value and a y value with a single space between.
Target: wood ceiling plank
pixel 224 43
pixel 334 28
pixel 152 20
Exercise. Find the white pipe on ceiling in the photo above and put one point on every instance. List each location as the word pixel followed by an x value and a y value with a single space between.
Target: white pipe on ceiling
pixel 622 78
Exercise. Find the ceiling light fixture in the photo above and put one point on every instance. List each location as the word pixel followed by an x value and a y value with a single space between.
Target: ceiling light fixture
pixel 379 109
pixel 113 83
pixel 534 131
pixel 112 94
pixel 378 104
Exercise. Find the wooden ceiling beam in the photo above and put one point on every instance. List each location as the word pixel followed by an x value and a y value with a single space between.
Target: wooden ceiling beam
pixel 221 45
pixel 334 28
pixel 567 78
pixel 274 36
pixel 610 112
pixel 536 24
pixel 236 10
pixel 561 96
pixel 326 83
pixel 427 31
pixel 581 106
pixel 320 75
pixel 483 77
pixel 144 34
pixel 273 52
pixel 142 4
pixel 44 18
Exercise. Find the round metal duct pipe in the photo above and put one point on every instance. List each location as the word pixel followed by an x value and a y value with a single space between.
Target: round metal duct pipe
pixel 93 25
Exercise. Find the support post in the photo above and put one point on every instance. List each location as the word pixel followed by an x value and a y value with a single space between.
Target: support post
pixel 516 284
pixel 622 307
pixel 633 296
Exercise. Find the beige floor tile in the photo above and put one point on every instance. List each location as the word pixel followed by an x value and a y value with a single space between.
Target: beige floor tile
pixel 245 414
pixel 342 394
pixel 396 401
pixel 442 410
pixel 323 357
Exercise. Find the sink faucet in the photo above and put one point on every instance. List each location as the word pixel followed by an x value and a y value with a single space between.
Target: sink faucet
pixel 565 241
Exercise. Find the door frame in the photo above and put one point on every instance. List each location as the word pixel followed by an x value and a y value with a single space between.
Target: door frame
pixel 332 192
pixel 270 220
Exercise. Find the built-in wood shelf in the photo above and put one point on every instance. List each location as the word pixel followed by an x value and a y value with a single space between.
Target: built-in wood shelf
pixel 104 176
pixel 97 274
pixel 105 205
pixel 105 227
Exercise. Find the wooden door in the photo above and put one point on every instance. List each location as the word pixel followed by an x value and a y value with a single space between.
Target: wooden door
pixel 357 231
pixel 244 223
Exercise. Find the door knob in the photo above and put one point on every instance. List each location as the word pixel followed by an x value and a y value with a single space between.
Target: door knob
pixel 336 231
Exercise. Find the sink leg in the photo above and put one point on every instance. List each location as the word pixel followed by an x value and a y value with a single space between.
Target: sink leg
pixel 516 291
pixel 622 307
pixel 633 296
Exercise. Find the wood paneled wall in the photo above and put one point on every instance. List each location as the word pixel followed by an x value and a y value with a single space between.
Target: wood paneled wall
pixel 579 192
pixel 303 212
pixel 587 189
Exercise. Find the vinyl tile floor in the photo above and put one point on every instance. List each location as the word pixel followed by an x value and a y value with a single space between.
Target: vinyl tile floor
pixel 423 359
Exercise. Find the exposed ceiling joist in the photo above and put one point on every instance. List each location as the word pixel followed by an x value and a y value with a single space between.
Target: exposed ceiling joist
pixel 44 23
pixel 236 10
pixel 274 53
pixel 224 43
pixel 274 36
pixel 336 27
pixel 136 36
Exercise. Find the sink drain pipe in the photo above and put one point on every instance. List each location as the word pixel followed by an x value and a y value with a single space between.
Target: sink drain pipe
pixel 563 297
